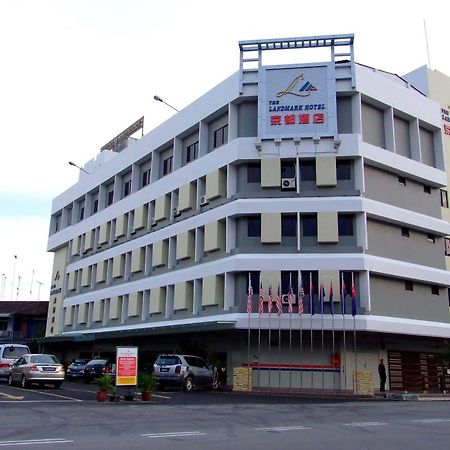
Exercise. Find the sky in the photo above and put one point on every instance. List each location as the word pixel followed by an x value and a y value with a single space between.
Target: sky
pixel 75 73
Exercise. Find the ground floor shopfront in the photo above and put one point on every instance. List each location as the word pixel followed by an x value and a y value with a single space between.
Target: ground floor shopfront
pixel 286 359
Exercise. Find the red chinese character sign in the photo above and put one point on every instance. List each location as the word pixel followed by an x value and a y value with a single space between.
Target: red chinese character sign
pixel 297 101
pixel 126 366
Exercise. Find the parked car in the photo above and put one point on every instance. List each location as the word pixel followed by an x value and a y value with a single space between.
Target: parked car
pixel 8 354
pixel 36 368
pixel 97 367
pixel 76 369
pixel 186 371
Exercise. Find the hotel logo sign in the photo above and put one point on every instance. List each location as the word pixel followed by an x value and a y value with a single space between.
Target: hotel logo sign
pixel 297 101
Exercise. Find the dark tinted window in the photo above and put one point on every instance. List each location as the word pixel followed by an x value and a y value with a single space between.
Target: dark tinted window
pixel 345 225
pixel 289 225
pixel 192 152
pixel 343 170
pixel 146 178
pixel 253 173
pixel 14 352
pixel 254 226
pixel 288 169
pixel 308 170
pixel 221 136
pixel 254 280
pixel 309 225
pixel 167 165
pixel 95 362
pixel 110 198
pixel 44 359
pixel 168 360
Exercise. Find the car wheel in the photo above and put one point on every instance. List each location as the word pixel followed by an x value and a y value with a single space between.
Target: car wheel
pixel 188 384
pixel 161 387
pixel 10 380
pixel 24 382
pixel 57 384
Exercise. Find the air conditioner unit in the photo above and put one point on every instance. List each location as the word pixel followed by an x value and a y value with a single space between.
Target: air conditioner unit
pixel 285 301
pixel 154 223
pixel 287 183
pixel 203 200
pixel 175 212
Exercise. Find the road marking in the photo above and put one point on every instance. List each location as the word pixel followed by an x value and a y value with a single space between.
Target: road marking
pixel 35 401
pixel 11 397
pixel 365 424
pixel 37 441
pixel 47 393
pixel 174 434
pixel 283 428
pixel 161 396
pixel 432 420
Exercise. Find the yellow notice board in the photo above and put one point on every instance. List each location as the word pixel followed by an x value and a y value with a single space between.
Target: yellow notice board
pixel 126 366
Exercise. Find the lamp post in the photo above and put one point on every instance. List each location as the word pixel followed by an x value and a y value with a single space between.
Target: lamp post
pixel 14 275
pixel 159 99
pixel 78 167
pixel 39 290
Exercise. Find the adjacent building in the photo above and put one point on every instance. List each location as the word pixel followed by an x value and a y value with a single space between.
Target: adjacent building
pixel 321 183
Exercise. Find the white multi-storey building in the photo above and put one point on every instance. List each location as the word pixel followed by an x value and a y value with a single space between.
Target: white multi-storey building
pixel 312 176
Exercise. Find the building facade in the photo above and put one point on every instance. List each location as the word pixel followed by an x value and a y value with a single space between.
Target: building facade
pixel 320 183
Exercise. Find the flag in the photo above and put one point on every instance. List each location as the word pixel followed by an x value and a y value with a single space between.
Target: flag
pixel 321 297
pixel 353 299
pixel 290 297
pixel 311 301
pixel 250 295
pixel 278 301
pixel 343 295
pixel 301 298
pixel 261 298
pixel 270 299
pixel 330 298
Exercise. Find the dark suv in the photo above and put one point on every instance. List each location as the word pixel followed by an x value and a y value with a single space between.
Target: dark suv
pixel 186 371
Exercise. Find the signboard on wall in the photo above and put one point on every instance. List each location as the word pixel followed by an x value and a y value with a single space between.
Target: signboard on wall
pixel 126 366
pixel 297 101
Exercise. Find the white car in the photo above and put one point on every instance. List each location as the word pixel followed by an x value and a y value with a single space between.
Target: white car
pixel 8 354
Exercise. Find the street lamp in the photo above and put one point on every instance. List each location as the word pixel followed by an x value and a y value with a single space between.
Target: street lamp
pixel 159 99
pixel 78 167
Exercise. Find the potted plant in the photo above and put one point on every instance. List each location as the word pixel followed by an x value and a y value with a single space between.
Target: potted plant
pixel 104 383
pixel 146 382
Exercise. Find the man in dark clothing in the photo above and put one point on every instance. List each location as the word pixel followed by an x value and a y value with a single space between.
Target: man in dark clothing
pixel 382 373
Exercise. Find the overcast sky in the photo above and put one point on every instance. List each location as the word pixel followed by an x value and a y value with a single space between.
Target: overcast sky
pixel 76 73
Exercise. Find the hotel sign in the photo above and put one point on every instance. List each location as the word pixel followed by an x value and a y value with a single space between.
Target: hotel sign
pixel 297 101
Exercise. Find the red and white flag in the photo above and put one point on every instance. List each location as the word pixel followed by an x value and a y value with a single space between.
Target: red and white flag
pixel 250 295
pixel 290 298
pixel 270 300
pixel 261 297
pixel 301 299
pixel 278 301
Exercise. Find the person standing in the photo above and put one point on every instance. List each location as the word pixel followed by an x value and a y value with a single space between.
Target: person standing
pixel 382 373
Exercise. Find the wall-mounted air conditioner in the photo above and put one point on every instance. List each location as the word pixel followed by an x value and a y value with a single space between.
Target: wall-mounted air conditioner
pixel 287 183
pixel 285 301
pixel 203 200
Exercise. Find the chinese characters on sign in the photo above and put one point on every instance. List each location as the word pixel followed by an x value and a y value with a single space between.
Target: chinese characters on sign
pixel 446 118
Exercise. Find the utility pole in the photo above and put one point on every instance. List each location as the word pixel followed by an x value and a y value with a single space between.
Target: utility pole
pixel 14 276
pixel 18 287
pixel 39 290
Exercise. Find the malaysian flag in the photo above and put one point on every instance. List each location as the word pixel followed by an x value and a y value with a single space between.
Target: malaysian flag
pixel 311 300
pixel 301 298
pixel 353 299
pixel 290 298
pixel 321 297
pixel 330 298
pixel 278 301
pixel 343 295
pixel 250 295
pixel 270 300
pixel 261 297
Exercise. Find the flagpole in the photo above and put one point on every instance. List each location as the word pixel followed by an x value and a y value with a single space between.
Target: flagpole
pixel 311 313
pixel 290 329
pixel 322 297
pixel 354 328
pixel 279 306
pixel 343 329
pixel 300 313
pixel 269 306
pixel 330 299
pixel 259 329
pixel 249 309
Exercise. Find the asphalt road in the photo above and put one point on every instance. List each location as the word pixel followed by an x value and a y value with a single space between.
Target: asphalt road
pixel 70 418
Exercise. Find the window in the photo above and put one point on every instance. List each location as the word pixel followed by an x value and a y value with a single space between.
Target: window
pixel 286 278
pixel 95 206
pixel 343 170
pixel 289 225
pixel 447 246
pixel 127 188
pixel 191 152
pixel 434 290
pixel 167 165
pixel 409 285
pixel 254 226
pixel 309 225
pixel 146 178
pixel 426 189
pixel 402 180
pixel 308 171
pixel 345 225
pixel 220 136
pixel 287 169
pixel 110 198
pixel 444 198
pixel 81 217
pixel 254 280
pixel 57 223
pixel 431 238
pixel 405 232
pixel 253 173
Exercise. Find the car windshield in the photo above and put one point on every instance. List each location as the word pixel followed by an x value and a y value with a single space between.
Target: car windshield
pixel 96 362
pixel 78 363
pixel 168 360
pixel 44 359
pixel 13 352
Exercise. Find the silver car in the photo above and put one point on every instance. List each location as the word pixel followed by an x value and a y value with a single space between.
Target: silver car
pixel 186 371
pixel 36 368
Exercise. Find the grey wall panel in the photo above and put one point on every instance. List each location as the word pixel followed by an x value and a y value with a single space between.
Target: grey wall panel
pixel 344 115
pixel 427 147
pixel 248 119
pixel 402 138
pixel 389 298
pixel 386 240
pixel 384 187
pixel 373 125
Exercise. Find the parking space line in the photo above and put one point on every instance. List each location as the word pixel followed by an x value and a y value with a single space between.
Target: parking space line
pixel 11 397
pixel 365 424
pixel 174 434
pixel 37 441
pixel 46 393
pixel 293 428
pixel 432 420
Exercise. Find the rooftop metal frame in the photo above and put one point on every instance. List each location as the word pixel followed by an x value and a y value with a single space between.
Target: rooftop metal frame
pixel 257 47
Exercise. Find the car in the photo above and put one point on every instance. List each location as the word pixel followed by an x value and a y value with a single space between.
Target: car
pixel 76 369
pixel 8 354
pixel 37 368
pixel 97 367
pixel 186 371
